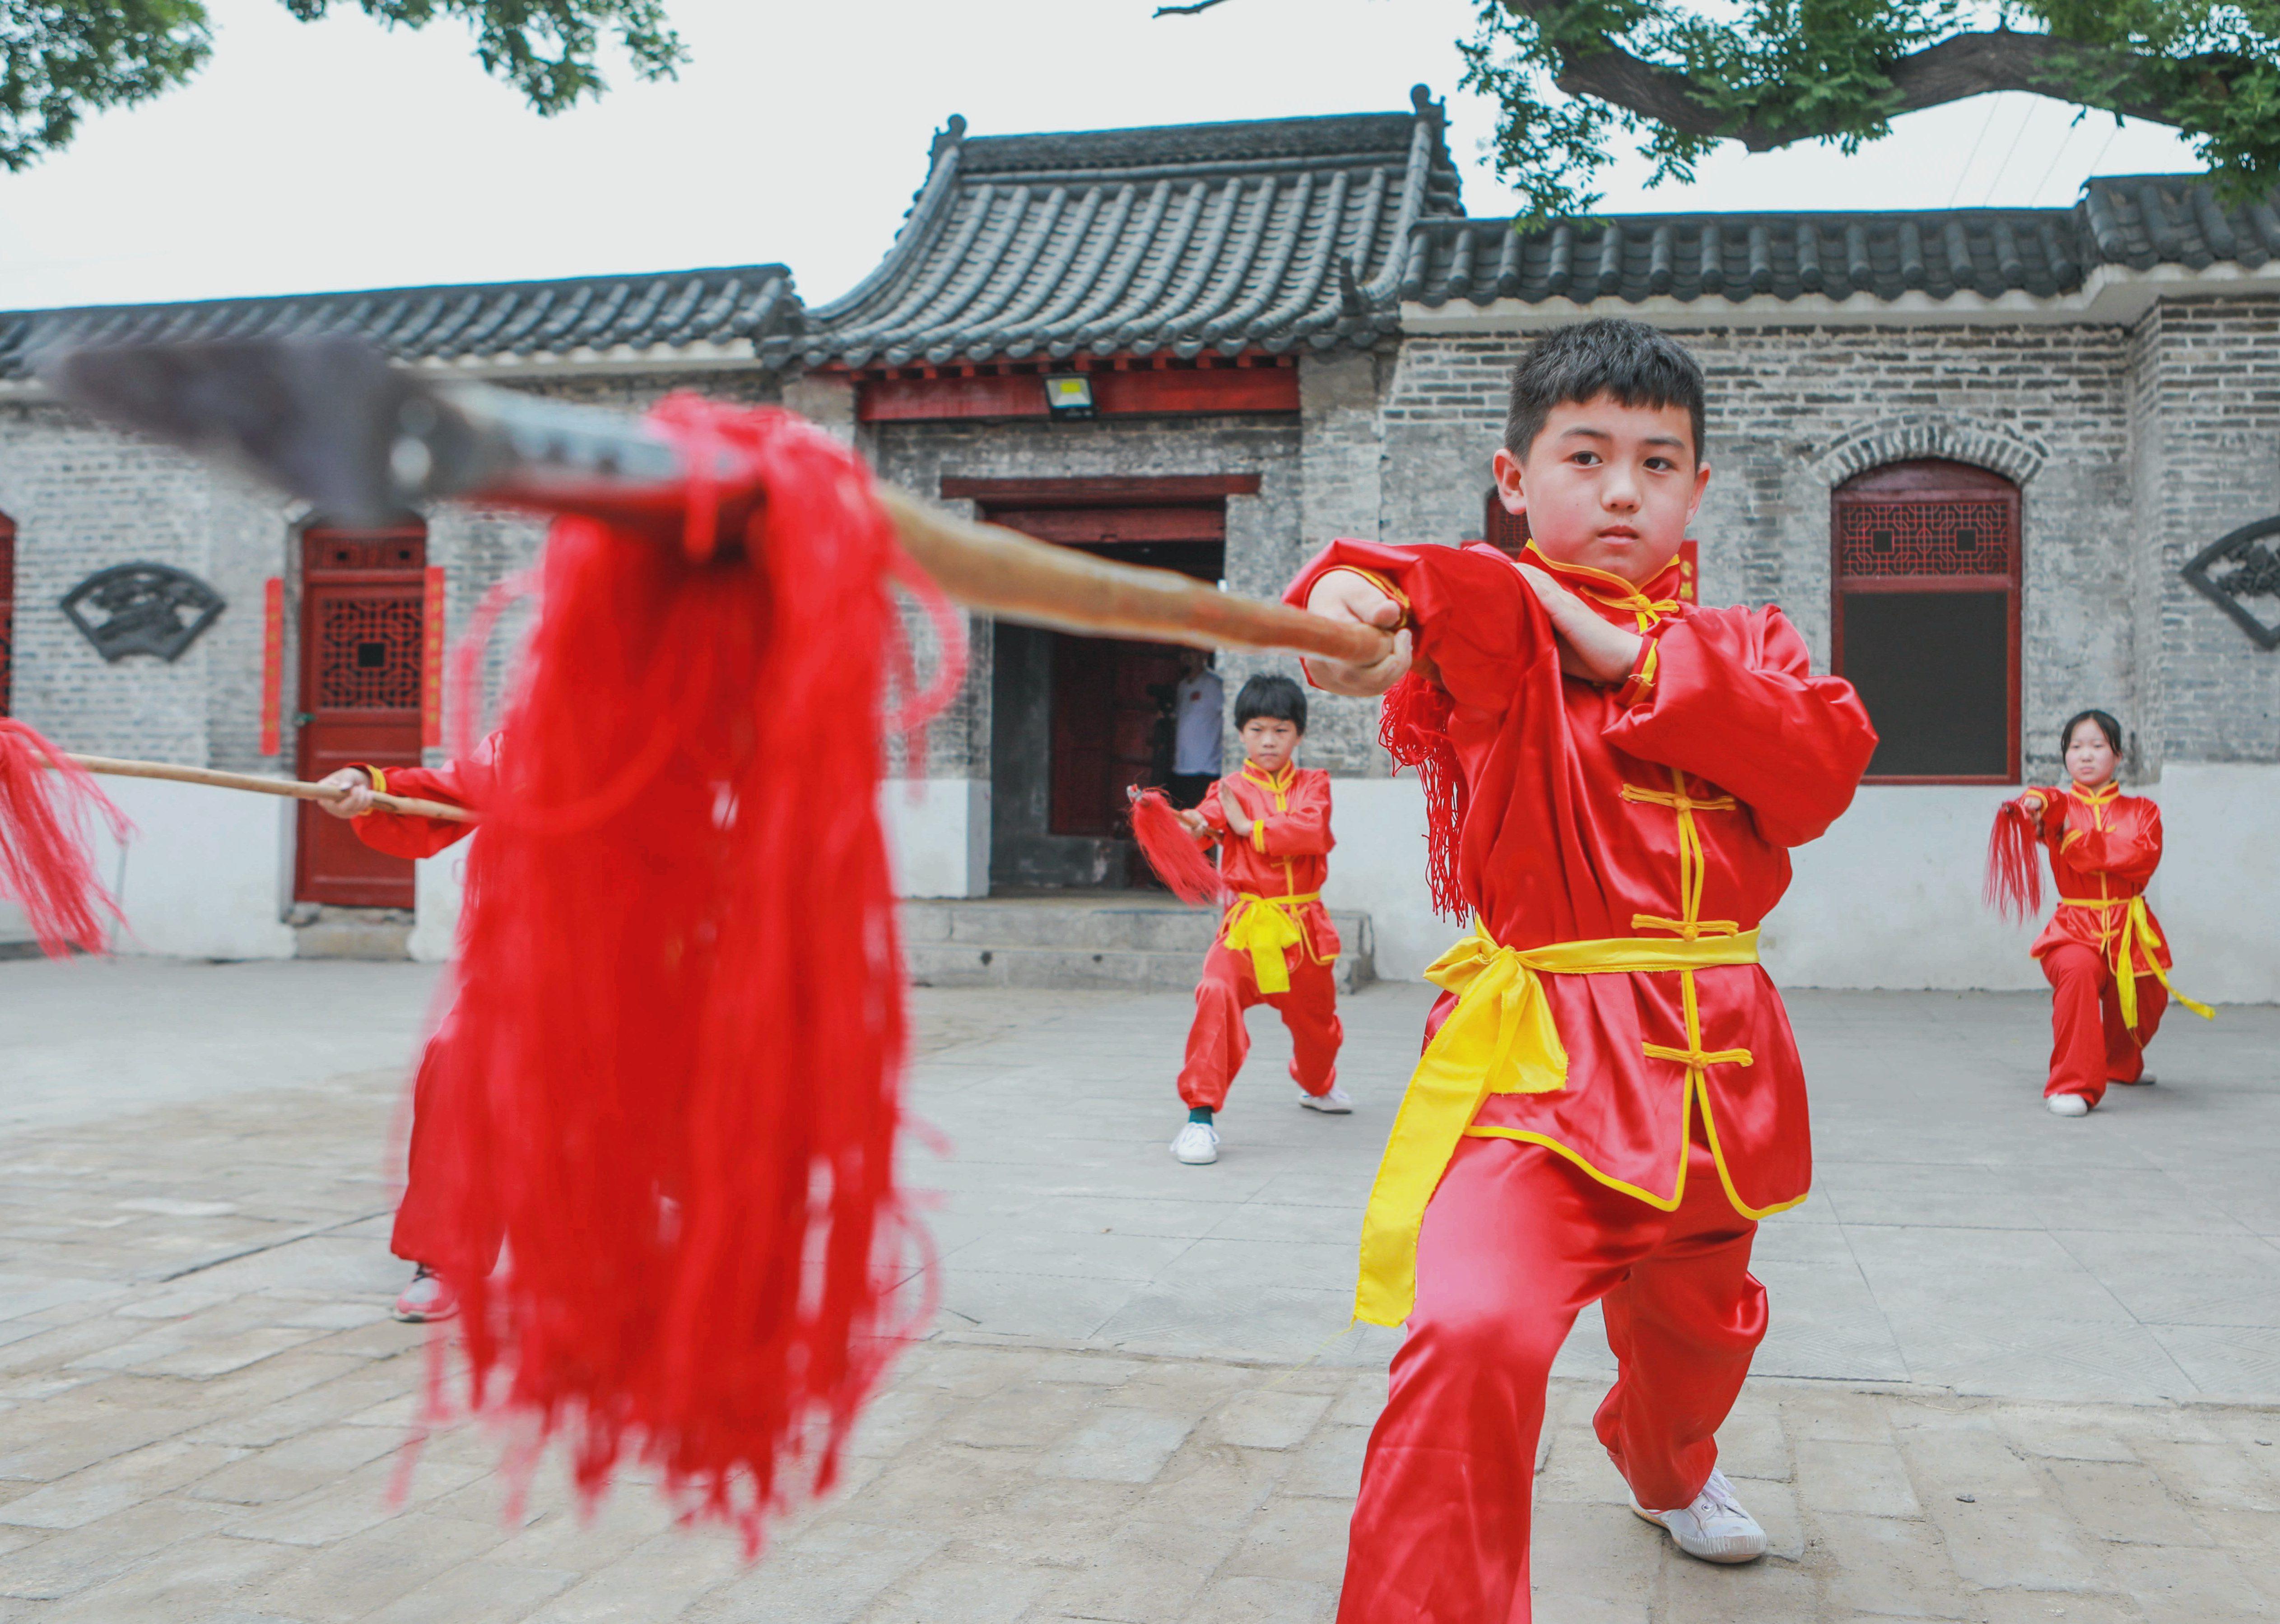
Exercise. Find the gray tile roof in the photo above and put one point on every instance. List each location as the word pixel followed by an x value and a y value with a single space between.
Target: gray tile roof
pixel 2139 221
pixel 1229 236
pixel 747 307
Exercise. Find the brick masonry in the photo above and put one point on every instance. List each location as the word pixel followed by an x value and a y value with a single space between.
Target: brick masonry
pixel 2134 447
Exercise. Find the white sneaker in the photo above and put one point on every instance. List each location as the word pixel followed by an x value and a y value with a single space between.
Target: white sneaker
pixel 2068 1105
pixel 1714 1528
pixel 1333 1101
pixel 1197 1144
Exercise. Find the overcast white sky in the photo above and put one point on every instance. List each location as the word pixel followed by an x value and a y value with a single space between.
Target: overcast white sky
pixel 338 154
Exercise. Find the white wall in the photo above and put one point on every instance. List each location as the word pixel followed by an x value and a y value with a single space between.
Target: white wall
pixel 1889 898
pixel 437 883
pixel 2218 892
pixel 205 875
pixel 937 835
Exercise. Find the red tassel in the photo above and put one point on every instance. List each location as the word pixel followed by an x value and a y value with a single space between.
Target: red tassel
pixel 1414 727
pixel 2015 865
pixel 675 1062
pixel 1172 852
pixel 46 800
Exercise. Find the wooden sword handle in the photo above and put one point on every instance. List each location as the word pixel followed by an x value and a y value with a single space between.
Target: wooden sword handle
pixel 292 788
pixel 1008 575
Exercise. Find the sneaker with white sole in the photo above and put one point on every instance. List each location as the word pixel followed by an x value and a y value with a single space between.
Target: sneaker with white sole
pixel 1197 1144
pixel 428 1299
pixel 1714 1528
pixel 1332 1102
pixel 2068 1105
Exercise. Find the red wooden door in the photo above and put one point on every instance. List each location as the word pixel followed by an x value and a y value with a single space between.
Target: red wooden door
pixel 1109 708
pixel 361 619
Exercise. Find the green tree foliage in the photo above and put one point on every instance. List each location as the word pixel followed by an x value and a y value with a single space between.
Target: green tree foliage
pixel 63 59
pixel 1674 80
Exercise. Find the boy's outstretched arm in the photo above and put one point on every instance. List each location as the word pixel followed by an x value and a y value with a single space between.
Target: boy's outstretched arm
pixel 1731 696
pixel 1468 618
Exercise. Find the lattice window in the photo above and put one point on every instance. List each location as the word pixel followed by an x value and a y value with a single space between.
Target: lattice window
pixel 1924 538
pixel 1926 617
pixel 368 653
pixel 1507 531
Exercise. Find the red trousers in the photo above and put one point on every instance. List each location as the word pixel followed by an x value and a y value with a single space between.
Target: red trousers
pixel 1218 1041
pixel 425 1228
pixel 1516 1241
pixel 2090 1047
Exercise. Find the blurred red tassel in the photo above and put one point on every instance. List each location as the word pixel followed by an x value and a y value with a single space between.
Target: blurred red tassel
pixel 1179 862
pixel 1414 727
pixel 2014 863
pixel 678 1047
pixel 46 799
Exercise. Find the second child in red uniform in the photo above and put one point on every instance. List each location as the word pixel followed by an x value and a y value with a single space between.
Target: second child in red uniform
pixel 421 1237
pixel 1277 945
pixel 2103 952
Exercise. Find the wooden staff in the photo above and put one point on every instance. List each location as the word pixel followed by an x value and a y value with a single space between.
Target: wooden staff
pixel 293 789
pixel 1006 574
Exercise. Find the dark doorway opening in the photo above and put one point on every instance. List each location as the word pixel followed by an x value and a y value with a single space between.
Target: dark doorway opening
pixel 362 617
pixel 1077 721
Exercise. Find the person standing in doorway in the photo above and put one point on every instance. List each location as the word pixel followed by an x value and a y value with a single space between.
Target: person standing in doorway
pixel 1199 710
pixel 2103 953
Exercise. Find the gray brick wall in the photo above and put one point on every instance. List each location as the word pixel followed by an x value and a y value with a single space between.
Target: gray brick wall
pixel 1793 411
pixel 84 499
pixel 2206 454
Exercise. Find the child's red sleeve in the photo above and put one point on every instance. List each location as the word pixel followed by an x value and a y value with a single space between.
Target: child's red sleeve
pixel 1732 700
pixel 456 783
pixel 1302 828
pixel 1212 812
pixel 1477 622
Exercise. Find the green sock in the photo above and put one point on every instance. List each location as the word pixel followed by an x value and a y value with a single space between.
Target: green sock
pixel 1200 1114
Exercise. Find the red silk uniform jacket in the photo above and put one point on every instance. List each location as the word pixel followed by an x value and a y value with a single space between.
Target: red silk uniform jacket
pixel 468 782
pixel 2104 846
pixel 1287 853
pixel 1663 808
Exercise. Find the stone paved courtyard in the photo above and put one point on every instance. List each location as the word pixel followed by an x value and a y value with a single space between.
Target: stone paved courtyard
pixel 2020 1369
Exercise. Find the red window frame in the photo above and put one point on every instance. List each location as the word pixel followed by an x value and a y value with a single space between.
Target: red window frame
pixel 1931 482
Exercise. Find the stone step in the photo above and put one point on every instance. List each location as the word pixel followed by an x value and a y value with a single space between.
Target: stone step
pixel 1127 941
pixel 353 933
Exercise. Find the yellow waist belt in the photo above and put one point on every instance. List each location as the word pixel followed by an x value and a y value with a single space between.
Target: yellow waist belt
pixel 1262 927
pixel 2137 932
pixel 1500 1039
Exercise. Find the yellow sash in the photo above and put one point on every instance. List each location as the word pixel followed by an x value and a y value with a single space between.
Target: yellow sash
pixel 1262 927
pixel 2137 939
pixel 1500 1039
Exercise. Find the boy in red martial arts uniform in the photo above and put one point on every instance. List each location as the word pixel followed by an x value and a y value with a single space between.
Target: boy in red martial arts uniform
pixel 1609 1098
pixel 1277 945
pixel 421 1236
pixel 2103 952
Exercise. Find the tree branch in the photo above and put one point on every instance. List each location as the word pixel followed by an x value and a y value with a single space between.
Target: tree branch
pixel 1965 65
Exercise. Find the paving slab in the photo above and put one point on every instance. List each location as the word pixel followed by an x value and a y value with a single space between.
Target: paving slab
pixel 2021 1369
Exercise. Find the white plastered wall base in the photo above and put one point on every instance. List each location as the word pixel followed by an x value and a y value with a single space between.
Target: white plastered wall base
pixel 205 874
pixel 937 835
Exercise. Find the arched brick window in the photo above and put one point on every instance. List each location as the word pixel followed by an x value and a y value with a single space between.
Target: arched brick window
pixel 7 612
pixel 1926 621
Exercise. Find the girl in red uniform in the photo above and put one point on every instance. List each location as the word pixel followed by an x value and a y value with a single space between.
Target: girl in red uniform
pixel 1276 944
pixel 421 1237
pixel 1609 1097
pixel 2103 952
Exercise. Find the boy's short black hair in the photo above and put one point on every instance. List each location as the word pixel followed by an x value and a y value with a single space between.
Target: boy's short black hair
pixel 1278 698
pixel 1629 361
